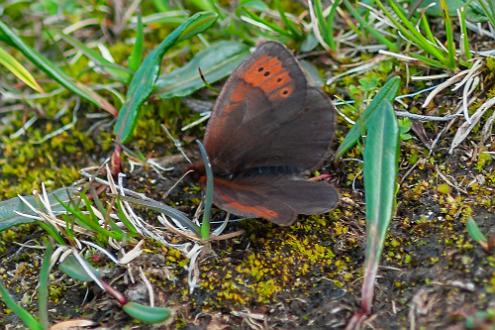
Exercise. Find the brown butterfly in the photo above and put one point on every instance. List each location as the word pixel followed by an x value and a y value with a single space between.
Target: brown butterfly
pixel 267 128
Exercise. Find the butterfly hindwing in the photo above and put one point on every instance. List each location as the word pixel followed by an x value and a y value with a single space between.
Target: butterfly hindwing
pixel 278 199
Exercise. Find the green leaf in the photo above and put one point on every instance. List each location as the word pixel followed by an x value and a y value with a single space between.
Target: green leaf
pixel 43 287
pixel 18 70
pixel 23 314
pixel 8 208
pixel 118 72
pixel 53 71
pixel 475 232
pixel 205 224
pixel 216 62
pixel 143 81
pixel 145 313
pixel 380 178
pixel 73 269
pixel 137 51
pixel 386 93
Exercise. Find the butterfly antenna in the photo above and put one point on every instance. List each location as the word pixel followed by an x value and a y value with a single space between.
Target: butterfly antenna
pixel 207 84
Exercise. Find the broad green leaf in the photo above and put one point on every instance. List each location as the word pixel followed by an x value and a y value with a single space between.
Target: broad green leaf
pixel 386 93
pixel 143 81
pixel 54 72
pixel 8 208
pixel 73 269
pixel 145 313
pixel 118 72
pixel 43 287
pixel 216 62
pixel 18 310
pixel 475 232
pixel 380 178
pixel 435 9
pixel 137 51
pixel 18 70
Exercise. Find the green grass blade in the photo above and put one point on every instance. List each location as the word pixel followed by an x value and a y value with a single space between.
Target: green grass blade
pixel 137 51
pixel 449 32
pixel 376 34
pixel 386 93
pixel 267 24
pixel 18 310
pixel 43 286
pixel 52 231
pixel 54 72
pixel 295 31
pixel 409 30
pixel 116 71
pixel 143 81
pixel 123 218
pixel 216 62
pixel 205 224
pixel 464 34
pixel 322 24
pixel 425 25
pixel 18 70
pixel 380 177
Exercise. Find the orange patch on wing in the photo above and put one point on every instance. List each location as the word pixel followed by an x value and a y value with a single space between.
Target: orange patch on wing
pixel 269 74
pixel 259 211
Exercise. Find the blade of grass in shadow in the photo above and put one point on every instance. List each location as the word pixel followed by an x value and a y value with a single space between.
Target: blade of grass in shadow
pixel 116 71
pixel 380 177
pixel 137 51
pixel 216 62
pixel 43 286
pixel 386 93
pixel 18 310
pixel 18 70
pixel 375 33
pixel 54 72
pixel 143 81
pixel 205 224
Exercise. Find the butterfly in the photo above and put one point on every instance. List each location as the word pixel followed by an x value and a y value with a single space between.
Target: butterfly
pixel 269 128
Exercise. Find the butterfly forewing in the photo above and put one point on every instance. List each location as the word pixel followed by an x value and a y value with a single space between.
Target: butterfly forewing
pixel 269 82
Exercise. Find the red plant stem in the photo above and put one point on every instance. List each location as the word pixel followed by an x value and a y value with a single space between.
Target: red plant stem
pixel 114 293
pixel 116 160
pixel 321 177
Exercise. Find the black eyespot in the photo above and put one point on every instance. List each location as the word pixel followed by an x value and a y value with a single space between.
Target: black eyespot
pixel 279 80
pixel 260 69
pixel 285 92
pixel 266 74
